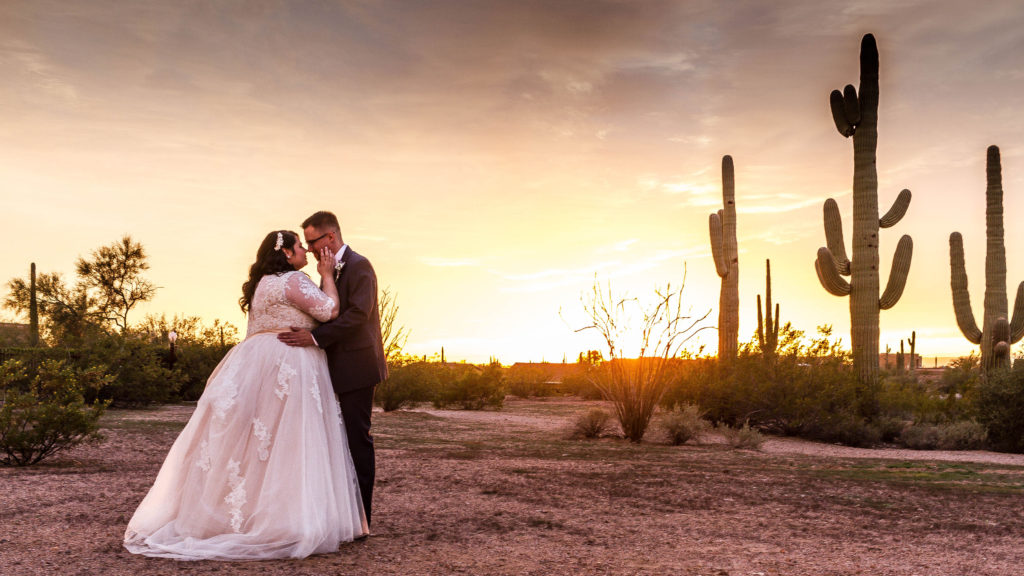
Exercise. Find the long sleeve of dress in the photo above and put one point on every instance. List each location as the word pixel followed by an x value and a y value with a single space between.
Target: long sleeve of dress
pixel 302 293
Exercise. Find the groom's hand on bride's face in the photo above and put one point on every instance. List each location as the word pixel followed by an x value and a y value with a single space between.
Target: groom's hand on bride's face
pixel 297 337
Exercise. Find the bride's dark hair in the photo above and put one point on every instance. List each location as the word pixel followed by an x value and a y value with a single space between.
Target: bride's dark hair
pixel 268 261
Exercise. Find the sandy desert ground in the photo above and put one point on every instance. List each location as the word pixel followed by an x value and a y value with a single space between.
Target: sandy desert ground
pixel 508 492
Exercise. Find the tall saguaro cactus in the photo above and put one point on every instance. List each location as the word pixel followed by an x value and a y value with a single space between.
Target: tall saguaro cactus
pixel 767 329
pixel 33 309
pixel 722 225
pixel 856 114
pixel 996 335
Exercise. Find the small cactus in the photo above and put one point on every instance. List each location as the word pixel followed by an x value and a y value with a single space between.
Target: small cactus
pixel 997 334
pixel 767 328
pixel 855 114
pixel 722 225
pixel 913 343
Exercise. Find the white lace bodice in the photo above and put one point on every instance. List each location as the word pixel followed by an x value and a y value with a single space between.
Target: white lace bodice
pixel 291 299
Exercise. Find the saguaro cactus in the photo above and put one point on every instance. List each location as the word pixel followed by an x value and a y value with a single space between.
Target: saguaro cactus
pixel 767 329
pixel 856 114
pixel 722 225
pixel 33 309
pixel 913 354
pixel 996 335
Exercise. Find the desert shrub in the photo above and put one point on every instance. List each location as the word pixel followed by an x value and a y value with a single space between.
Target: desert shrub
pixel 43 411
pixel 1000 407
pixel 473 390
pixel 844 428
pixel 963 435
pixel 527 381
pixel 743 437
pixel 407 384
pixel 685 424
pixel 580 383
pixel 139 371
pixel 593 423
pixel 890 428
pixel 193 365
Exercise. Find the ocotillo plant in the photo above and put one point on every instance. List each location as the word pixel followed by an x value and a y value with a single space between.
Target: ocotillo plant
pixel 856 114
pixel 767 329
pixel 33 309
pixel 722 225
pixel 996 335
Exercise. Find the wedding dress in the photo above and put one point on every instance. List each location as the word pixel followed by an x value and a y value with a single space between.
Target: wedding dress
pixel 262 469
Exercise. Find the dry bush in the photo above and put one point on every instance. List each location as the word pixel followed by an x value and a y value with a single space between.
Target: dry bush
pixel 685 424
pixel 743 438
pixel 592 424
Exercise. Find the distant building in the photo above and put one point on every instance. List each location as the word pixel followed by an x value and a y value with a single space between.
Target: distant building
pixel 14 334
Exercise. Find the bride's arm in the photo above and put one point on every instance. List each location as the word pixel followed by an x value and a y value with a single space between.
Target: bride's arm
pixel 304 295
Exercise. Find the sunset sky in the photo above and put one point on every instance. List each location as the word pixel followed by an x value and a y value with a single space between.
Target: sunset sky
pixel 491 158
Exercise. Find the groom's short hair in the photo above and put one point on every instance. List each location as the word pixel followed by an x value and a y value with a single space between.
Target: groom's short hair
pixel 323 220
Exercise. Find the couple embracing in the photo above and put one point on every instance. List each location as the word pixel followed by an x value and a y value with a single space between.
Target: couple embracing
pixel 277 460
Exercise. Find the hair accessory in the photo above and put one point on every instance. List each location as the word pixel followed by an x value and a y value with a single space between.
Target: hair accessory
pixel 280 242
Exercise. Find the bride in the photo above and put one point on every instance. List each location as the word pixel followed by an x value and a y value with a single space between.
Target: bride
pixel 262 469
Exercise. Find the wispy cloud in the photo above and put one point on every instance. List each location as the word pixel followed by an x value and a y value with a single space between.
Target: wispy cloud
pixel 449 262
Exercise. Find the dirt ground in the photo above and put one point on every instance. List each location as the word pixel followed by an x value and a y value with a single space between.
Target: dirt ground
pixel 508 492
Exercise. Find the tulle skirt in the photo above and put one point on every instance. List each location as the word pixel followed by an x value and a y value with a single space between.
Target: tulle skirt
pixel 261 470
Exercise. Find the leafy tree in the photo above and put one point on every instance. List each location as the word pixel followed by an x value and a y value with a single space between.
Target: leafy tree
pixel 114 274
pixel 69 314
pixel 110 284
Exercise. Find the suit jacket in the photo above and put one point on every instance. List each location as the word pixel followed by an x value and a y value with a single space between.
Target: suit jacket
pixel 352 341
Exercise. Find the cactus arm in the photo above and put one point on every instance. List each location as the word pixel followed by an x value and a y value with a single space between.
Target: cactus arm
pixel 958 283
pixel 835 101
pixel 775 327
pixel 1017 325
pixel 1001 340
pixel 717 240
pixel 851 106
pixel 834 236
pixel 829 277
pixel 899 208
pixel 760 324
pixel 898 273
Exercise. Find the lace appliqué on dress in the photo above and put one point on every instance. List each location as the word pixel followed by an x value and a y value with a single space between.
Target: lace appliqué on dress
pixel 284 378
pixel 203 462
pixel 236 499
pixel 224 395
pixel 259 430
pixel 315 391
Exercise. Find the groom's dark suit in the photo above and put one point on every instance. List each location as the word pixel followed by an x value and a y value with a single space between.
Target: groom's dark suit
pixel 355 358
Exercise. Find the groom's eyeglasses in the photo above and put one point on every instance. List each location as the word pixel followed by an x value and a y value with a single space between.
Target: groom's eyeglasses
pixel 315 240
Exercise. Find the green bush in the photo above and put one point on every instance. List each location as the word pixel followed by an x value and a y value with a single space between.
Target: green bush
pixel 685 424
pixel 529 380
pixel 474 389
pixel 1000 407
pixel 581 383
pixel 139 371
pixel 963 435
pixel 407 384
pixel 43 411
pixel 593 423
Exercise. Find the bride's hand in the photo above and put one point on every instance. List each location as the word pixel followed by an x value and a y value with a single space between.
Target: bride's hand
pixel 325 265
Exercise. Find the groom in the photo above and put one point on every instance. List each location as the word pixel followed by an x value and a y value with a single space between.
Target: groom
pixel 352 341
